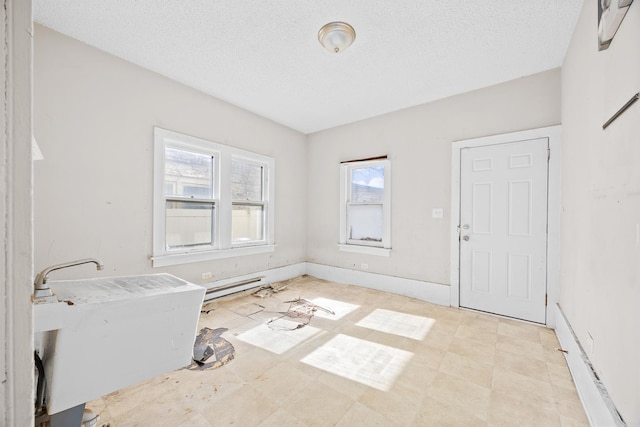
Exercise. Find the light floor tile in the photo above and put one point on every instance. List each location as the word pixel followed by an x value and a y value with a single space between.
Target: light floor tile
pixel 509 409
pixel 469 369
pixel 522 386
pixel 520 331
pixel 463 396
pixel 361 415
pixel 560 376
pixel 480 352
pixel 281 418
pixel 436 413
pixel 520 364
pixel 401 405
pixel 321 405
pixel 244 407
pixel 569 405
pixel 520 346
pixel 477 333
pixel 282 382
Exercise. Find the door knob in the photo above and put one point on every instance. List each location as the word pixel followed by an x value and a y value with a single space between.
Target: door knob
pixel 466 238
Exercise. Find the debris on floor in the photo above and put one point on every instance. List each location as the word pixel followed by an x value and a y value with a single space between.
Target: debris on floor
pixel 297 316
pixel 269 290
pixel 210 350
pixel 207 307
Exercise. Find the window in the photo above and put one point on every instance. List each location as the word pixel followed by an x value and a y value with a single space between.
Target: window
pixel 365 214
pixel 189 198
pixel 247 198
pixel 210 200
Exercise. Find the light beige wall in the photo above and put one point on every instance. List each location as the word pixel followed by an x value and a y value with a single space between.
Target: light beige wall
pixel 94 119
pixel 418 142
pixel 600 268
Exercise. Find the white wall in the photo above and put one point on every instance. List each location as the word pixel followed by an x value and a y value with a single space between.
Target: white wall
pixel 418 142
pixel 600 254
pixel 94 119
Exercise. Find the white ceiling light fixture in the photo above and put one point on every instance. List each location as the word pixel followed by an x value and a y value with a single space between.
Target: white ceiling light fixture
pixel 336 36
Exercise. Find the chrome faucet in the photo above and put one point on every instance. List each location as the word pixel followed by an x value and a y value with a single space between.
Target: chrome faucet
pixel 40 285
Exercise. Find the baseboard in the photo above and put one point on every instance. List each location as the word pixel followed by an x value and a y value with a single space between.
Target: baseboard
pixel 263 278
pixel 596 401
pixel 426 291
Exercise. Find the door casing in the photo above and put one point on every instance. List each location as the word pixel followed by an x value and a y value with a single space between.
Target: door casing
pixel 554 134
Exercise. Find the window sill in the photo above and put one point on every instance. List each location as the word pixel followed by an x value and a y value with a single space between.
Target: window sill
pixel 368 250
pixel 184 258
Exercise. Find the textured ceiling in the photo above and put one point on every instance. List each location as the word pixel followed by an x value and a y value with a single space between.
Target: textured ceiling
pixel 264 55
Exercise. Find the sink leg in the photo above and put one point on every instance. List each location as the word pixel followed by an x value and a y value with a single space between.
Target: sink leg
pixel 68 418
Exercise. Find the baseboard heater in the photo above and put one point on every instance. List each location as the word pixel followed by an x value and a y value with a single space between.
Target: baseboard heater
pixel 596 401
pixel 234 285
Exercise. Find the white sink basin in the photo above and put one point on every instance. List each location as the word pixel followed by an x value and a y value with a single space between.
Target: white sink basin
pixel 109 333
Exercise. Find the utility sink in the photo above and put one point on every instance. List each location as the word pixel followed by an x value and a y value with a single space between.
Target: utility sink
pixel 109 333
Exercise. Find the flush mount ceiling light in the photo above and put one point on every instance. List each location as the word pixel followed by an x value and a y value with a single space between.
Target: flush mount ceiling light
pixel 336 36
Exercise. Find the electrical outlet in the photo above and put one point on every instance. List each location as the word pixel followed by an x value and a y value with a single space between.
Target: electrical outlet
pixel 206 276
pixel 437 213
pixel 364 266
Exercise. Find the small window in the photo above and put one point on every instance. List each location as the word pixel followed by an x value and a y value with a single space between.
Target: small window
pixel 365 207
pixel 202 213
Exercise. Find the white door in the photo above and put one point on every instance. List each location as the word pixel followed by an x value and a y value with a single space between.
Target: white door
pixel 503 229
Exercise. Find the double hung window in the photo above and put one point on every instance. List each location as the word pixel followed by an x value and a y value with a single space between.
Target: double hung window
pixel 365 214
pixel 210 200
pixel 189 198
pixel 248 201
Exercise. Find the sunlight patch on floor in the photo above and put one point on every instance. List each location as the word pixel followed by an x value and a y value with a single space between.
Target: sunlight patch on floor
pixel 402 324
pixel 340 308
pixel 366 362
pixel 278 341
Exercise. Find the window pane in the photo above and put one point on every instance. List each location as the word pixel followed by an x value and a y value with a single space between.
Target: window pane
pixel 197 191
pixel 246 181
pixel 247 223
pixel 189 224
pixel 364 222
pixel 191 174
pixel 367 184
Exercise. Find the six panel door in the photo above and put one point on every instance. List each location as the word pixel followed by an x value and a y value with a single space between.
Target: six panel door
pixel 503 229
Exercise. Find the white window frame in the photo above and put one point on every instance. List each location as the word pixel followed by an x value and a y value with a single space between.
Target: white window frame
pixel 222 247
pixel 358 246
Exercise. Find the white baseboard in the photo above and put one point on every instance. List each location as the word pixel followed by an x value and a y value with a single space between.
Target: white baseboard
pixel 426 291
pixel 265 277
pixel 596 401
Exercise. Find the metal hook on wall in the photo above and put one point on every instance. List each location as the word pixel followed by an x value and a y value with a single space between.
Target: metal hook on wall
pixel 629 103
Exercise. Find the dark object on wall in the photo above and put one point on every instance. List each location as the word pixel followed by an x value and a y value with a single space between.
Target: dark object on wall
pixel 610 16
pixel 622 109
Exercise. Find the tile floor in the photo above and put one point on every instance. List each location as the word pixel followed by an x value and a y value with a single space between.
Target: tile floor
pixel 437 366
